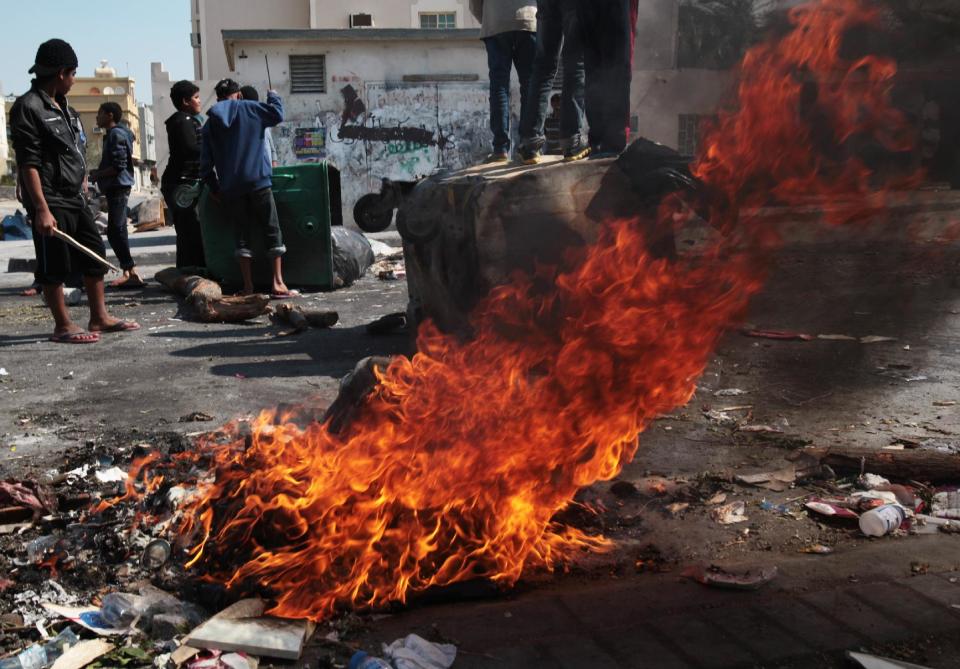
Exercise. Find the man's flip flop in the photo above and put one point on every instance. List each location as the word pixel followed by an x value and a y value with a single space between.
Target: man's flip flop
pixel 128 284
pixel 81 337
pixel 122 326
pixel 285 295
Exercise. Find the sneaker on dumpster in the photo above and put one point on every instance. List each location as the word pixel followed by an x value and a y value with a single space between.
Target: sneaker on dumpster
pixel 530 156
pixel 497 157
pixel 577 151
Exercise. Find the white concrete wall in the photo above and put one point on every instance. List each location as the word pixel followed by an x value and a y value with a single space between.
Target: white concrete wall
pixel 404 131
pixel 148 134
pixel 386 13
pixel 211 17
pixel 5 148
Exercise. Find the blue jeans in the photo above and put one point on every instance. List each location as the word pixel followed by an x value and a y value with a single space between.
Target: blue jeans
pixel 558 37
pixel 117 226
pixel 515 48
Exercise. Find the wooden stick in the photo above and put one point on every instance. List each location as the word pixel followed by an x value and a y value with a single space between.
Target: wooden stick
pixel 83 249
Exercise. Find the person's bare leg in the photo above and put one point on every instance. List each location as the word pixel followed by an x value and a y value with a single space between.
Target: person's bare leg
pixel 246 271
pixel 53 294
pixel 279 287
pixel 100 319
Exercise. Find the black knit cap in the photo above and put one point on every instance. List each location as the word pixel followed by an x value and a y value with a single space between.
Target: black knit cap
pixel 226 87
pixel 52 56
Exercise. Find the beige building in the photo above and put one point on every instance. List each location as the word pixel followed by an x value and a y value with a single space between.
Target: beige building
pixel 90 92
pixel 210 18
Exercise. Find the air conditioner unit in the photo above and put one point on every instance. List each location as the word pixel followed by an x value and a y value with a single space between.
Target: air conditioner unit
pixel 361 20
pixel 195 40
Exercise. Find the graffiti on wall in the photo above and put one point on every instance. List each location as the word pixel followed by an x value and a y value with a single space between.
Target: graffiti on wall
pixel 310 143
pixel 391 130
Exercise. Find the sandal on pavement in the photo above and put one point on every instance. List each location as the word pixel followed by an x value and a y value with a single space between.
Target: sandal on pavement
pixel 122 326
pixel 284 294
pixel 82 337
pixel 122 284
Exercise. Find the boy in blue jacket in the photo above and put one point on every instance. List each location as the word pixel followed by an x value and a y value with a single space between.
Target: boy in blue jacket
pixel 234 162
pixel 114 177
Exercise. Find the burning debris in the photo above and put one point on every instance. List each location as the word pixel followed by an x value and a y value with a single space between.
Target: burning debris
pixel 457 462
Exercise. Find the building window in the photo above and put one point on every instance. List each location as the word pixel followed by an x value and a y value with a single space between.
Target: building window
pixel 308 74
pixel 438 20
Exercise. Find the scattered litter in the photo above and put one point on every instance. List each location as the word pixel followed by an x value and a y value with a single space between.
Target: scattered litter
pixel 917 377
pixel 828 508
pixel 677 508
pixel 243 628
pixel 762 429
pixel 196 417
pixel 42 654
pixel 882 520
pixel 816 549
pixel 112 475
pixel 731 392
pixel 87 617
pixel 783 335
pixel 750 578
pixel 874 339
pixel 777 481
pixel 82 654
pixel 836 337
pixel 156 554
pixel 415 652
pixel 719 498
pixel 780 509
pixel 945 403
pixel 730 514
pixel 875 662
pixel 4 372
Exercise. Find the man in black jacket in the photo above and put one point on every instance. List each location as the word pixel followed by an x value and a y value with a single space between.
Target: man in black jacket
pixel 47 138
pixel 182 175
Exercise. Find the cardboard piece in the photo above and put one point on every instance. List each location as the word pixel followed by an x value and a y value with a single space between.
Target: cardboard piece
pixel 82 654
pixel 242 628
pixel 86 616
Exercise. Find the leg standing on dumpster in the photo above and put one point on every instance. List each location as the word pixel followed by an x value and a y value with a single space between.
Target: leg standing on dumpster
pixel 114 177
pixel 509 31
pixel 608 32
pixel 47 140
pixel 235 163
pixel 182 175
pixel 558 38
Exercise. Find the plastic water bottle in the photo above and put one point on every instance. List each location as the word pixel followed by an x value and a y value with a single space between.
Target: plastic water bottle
pixel 42 655
pixel 362 660
pixel 119 610
pixel 882 520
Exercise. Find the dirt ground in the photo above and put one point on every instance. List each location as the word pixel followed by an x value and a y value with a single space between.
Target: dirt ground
pixel 62 403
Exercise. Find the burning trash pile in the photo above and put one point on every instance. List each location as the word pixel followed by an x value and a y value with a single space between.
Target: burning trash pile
pixel 463 462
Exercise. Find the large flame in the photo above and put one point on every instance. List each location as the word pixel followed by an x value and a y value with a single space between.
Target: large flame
pixel 465 452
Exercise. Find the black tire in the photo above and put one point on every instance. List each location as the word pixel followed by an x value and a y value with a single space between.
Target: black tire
pixel 370 214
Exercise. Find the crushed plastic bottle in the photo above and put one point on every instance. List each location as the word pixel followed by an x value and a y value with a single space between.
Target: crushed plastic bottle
pixel 362 660
pixel 42 655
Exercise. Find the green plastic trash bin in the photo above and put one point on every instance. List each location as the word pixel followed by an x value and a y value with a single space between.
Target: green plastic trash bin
pixel 308 203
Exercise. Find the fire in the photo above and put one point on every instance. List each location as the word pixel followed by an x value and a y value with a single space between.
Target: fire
pixel 464 453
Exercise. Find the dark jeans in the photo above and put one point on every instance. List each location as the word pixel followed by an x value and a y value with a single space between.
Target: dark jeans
pixel 558 37
pixel 187 224
pixel 117 226
pixel 255 214
pixel 607 54
pixel 515 48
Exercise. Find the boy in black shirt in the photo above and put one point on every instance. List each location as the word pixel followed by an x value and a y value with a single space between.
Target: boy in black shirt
pixel 48 145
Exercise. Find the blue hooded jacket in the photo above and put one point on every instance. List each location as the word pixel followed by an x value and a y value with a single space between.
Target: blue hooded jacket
pixel 233 157
pixel 117 153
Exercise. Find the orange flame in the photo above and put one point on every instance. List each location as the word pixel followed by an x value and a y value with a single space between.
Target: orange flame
pixel 465 452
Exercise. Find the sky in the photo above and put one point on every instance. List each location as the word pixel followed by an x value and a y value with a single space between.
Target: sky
pixel 129 35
